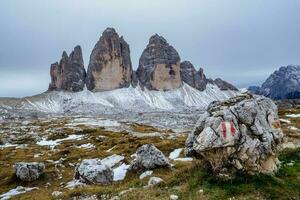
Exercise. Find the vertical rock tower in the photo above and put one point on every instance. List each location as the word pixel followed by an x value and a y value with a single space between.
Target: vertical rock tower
pixel 159 65
pixel 69 74
pixel 189 75
pixel 110 64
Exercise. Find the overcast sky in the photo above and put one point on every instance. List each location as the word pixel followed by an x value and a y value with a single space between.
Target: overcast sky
pixel 241 41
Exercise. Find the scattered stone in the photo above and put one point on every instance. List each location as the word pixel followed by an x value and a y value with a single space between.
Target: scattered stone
pixel 242 133
pixel 153 181
pixel 149 157
pixel 110 64
pixel 159 65
pixel 93 171
pixel 173 197
pixel 29 171
pixel 145 174
pixel 56 193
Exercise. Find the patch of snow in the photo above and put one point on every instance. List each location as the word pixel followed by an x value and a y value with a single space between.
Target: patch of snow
pixel 111 161
pixel 16 191
pixel 120 172
pixel 293 128
pixel 285 121
pixel 109 150
pixel 74 184
pixel 175 154
pixel 293 115
pixel 86 146
pixel 145 174
pixel 53 143
pixel 187 159
pixel 94 122
pixel 7 145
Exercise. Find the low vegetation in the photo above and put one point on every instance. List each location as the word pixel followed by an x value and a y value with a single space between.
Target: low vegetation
pixel 188 180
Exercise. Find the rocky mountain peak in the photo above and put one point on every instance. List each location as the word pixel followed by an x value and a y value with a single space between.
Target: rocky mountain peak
pixel 190 76
pixel 110 64
pixel 159 65
pixel 284 83
pixel 68 74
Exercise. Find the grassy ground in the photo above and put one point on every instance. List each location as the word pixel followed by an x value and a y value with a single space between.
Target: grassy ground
pixel 188 180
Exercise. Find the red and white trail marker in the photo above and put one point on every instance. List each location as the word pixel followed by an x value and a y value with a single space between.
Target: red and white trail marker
pixel 228 128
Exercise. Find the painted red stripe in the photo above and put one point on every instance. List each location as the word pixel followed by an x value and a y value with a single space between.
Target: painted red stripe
pixel 223 124
pixel 232 129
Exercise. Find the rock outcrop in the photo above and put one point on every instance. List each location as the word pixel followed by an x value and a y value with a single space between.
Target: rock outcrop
pixel 29 171
pixel 189 75
pixel 69 74
pixel 223 85
pixel 149 157
pixel 93 171
pixel 282 84
pixel 242 133
pixel 159 65
pixel 110 64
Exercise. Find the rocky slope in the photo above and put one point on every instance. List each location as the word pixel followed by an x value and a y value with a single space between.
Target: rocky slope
pixel 110 64
pixel 159 65
pixel 69 74
pixel 282 84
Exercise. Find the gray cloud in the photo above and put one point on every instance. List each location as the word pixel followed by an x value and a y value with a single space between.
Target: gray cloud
pixel 239 41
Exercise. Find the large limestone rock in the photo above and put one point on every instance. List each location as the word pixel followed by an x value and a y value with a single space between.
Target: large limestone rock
pixel 29 171
pixel 242 133
pixel 93 171
pixel 69 74
pixel 159 65
pixel 110 64
pixel 189 75
pixel 149 157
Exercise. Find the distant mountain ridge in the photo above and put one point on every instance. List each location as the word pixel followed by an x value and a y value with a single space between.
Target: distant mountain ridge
pixel 284 83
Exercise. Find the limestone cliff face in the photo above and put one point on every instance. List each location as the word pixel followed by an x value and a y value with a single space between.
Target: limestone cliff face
pixel 159 66
pixel 189 75
pixel 110 64
pixel 69 74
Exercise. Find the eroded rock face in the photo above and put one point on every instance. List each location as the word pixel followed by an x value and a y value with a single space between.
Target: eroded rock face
pixel 242 133
pixel 110 64
pixel 29 171
pixel 149 157
pixel 159 65
pixel 193 78
pixel 69 74
pixel 93 171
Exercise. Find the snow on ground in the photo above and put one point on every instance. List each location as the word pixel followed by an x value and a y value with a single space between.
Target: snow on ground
pixel 145 174
pixel 53 143
pixel 112 160
pixel 126 99
pixel 93 122
pixel 175 154
pixel 120 172
pixel 16 191
pixel 293 128
pixel 74 184
pixel 293 115
pixel 186 159
pixel 86 146
pixel 6 145
pixel 285 121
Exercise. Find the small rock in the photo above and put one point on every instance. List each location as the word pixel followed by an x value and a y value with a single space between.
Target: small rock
pixel 154 181
pixel 149 157
pixel 93 171
pixel 56 193
pixel 173 197
pixel 29 171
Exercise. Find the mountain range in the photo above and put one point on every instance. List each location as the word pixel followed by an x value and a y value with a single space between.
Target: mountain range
pixel 284 83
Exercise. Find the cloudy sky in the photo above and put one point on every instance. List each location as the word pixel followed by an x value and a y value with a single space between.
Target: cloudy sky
pixel 241 41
